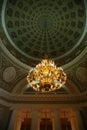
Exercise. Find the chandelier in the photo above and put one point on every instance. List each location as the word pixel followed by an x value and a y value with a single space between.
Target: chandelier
pixel 46 76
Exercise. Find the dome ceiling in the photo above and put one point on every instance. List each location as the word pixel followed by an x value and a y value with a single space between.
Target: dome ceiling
pixel 35 27
pixel 31 28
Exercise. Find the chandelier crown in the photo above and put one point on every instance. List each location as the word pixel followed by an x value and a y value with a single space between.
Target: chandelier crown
pixel 45 56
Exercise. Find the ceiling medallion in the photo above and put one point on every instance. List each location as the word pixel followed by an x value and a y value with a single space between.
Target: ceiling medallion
pixel 46 76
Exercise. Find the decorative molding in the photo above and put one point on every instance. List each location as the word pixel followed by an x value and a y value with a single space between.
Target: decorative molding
pixel 73 99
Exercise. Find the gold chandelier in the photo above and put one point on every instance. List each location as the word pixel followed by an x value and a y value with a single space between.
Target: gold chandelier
pixel 46 77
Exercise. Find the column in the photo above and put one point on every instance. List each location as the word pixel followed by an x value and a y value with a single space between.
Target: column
pixel 79 120
pixel 73 123
pixel 12 122
pixel 57 123
pixel 34 124
pixel 18 123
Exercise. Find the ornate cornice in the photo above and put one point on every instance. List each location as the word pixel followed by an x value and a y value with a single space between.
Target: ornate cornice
pixel 79 99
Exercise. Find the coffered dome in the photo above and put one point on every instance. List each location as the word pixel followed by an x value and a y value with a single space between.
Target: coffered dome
pixel 35 27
